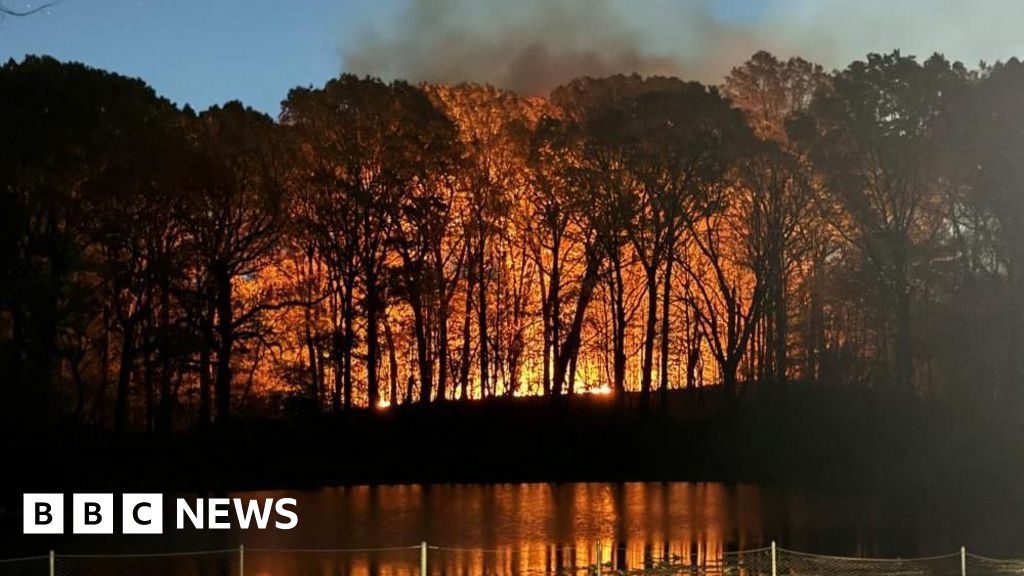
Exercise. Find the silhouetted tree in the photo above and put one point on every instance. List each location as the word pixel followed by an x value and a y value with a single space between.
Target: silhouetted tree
pixel 770 92
pixel 871 136
pixel 236 211
pixel 77 126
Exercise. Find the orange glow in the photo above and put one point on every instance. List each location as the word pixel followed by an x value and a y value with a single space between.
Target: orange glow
pixel 518 364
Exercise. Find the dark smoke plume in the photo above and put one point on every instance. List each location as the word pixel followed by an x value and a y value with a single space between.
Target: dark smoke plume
pixel 529 46
pixel 534 45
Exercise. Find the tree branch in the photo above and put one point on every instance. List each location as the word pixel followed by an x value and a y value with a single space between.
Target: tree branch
pixel 5 11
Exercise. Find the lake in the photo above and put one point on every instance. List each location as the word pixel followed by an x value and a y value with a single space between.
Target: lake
pixel 549 528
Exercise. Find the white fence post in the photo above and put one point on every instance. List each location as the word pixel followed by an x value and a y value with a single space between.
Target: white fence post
pixel 775 570
pixel 423 558
pixel 241 560
pixel 53 570
pixel 963 561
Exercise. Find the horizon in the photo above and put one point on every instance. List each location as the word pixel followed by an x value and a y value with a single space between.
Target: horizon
pixel 256 52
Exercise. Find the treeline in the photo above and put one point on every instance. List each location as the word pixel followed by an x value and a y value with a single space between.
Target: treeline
pixel 381 244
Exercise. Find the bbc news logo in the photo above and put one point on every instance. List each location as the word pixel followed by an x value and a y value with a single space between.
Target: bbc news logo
pixel 143 513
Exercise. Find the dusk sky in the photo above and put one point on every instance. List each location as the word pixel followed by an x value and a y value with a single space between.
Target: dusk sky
pixel 208 52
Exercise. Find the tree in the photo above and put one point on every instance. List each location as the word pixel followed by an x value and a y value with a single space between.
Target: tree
pixel 683 137
pixel 421 237
pixel 366 142
pixel 137 241
pixel 495 127
pixel 872 138
pixel 234 222
pixel 84 134
pixel 594 206
pixel 982 157
pixel 771 92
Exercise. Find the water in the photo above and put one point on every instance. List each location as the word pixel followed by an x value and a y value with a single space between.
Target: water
pixel 541 528
pixel 523 528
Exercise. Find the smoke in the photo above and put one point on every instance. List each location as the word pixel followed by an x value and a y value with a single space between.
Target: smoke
pixel 531 46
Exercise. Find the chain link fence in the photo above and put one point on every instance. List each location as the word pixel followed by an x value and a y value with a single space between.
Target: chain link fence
pixel 205 563
pixel 28 566
pixel 790 563
pixel 427 560
pixel 396 561
pixel 985 566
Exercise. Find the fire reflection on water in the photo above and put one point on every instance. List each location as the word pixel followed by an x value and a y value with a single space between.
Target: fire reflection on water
pixel 510 529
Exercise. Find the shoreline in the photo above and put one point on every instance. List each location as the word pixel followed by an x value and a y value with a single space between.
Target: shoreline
pixel 839 440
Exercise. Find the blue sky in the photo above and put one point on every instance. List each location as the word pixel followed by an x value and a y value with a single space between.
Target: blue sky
pixel 199 51
pixel 205 52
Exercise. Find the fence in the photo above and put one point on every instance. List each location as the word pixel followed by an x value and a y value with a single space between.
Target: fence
pixel 428 560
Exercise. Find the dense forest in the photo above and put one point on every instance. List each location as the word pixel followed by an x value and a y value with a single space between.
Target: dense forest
pixel 381 244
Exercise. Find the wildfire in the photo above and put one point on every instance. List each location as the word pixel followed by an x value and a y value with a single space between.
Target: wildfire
pixel 384 404
pixel 602 390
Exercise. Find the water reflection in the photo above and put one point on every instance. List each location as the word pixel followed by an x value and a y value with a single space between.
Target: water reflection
pixel 539 528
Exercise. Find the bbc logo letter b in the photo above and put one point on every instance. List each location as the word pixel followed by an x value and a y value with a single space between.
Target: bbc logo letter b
pixel 43 514
pixel 93 514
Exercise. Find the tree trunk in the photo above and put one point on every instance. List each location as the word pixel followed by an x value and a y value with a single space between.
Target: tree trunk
pixel 572 341
pixel 148 375
pixel 729 369
pixel 348 342
pixel 692 358
pixel 651 326
pixel 443 314
pixel 99 407
pixel 165 421
pixel 815 333
pixel 76 374
pixel 904 348
pixel 205 382
pixel 314 391
pixel 618 332
pixel 546 351
pixel 482 319
pixel 781 331
pixel 665 325
pixel 124 376
pixel 554 312
pixel 226 336
pixel 464 364
pixel 389 337
pixel 337 353
pixel 903 352
pixel 442 350
pixel 572 373
pixel 422 352
pixel 372 335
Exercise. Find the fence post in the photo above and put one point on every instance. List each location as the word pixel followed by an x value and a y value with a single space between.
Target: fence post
pixel 598 559
pixel 53 570
pixel 241 560
pixel 423 558
pixel 963 561
pixel 775 570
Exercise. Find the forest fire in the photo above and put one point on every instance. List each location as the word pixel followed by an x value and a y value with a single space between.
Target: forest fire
pixel 603 287
pixel 388 244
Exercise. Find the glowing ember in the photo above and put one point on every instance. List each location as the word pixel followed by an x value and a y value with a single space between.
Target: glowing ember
pixel 383 404
pixel 600 390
